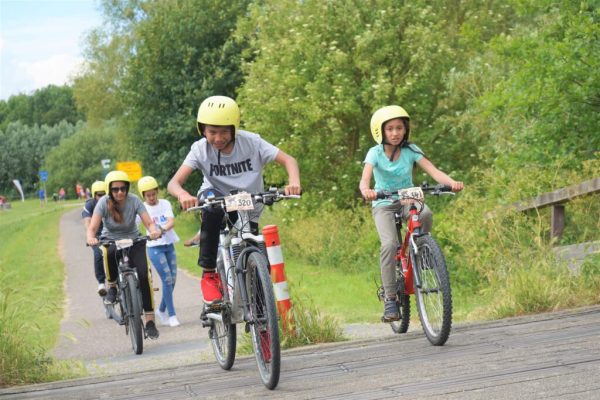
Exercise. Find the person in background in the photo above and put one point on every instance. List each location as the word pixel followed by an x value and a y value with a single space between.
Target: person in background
pixel 61 194
pixel 162 251
pixel 98 190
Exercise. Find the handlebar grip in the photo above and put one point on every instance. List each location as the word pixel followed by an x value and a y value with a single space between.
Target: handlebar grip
pixel 382 194
pixel 444 188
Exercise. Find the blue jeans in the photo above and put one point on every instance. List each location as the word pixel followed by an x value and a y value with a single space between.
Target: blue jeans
pixel 165 263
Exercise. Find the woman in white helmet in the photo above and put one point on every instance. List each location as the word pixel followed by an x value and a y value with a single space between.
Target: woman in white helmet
pixel 117 212
pixel 162 251
pixel 229 159
pixel 391 162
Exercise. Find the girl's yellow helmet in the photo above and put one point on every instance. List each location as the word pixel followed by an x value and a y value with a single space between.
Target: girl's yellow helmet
pixel 383 115
pixel 146 183
pixel 218 111
pixel 98 186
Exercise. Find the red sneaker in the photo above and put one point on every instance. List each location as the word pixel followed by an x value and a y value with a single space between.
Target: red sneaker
pixel 265 345
pixel 211 288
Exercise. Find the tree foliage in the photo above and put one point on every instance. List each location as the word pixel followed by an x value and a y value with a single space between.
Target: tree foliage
pixel 46 106
pixel 164 59
pixel 24 150
pixel 78 158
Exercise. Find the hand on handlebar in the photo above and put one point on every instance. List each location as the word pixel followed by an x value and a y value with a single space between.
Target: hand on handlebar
pixel 457 186
pixel 293 189
pixel 155 234
pixel 186 200
pixel 369 194
pixel 92 241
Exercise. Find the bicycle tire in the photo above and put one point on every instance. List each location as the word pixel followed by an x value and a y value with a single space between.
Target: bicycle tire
pixel 434 297
pixel 401 326
pixel 222 334
pixel 264 328
pixel 134 314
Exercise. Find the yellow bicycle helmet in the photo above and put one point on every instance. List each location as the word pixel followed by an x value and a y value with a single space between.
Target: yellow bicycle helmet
pixel 146 183
pixel 218 111
pixel 385 114
pixel 98 186
pixel 116 176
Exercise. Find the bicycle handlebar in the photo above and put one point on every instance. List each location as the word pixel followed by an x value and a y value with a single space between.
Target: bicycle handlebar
pixel 272 196
pixel 109 242
pixel 436 190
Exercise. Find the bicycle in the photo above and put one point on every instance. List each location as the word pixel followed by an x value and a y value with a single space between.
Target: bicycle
pixel 421 269
pixel 127 310
pixel 248 297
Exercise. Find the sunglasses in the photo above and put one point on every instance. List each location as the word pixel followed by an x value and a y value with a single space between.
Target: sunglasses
pixel 100 194
pixel 119 189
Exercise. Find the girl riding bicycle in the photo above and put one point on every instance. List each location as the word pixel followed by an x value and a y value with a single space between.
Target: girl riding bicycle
pixel 117 212
pixel 391 162
pixel 230 159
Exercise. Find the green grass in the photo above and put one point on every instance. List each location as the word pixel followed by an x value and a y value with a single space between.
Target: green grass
pixel 31 293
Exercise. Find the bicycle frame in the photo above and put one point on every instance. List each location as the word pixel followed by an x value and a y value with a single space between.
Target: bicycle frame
pixel 413 227
pixel 235 245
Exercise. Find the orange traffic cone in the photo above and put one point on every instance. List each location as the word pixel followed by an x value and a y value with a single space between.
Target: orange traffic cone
pixel 280 286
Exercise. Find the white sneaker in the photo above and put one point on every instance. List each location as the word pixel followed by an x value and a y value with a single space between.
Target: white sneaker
pixel 102 289
pixel 163 317
pixel 173 321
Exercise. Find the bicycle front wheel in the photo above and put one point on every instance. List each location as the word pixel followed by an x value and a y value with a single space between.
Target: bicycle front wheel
pixel 134 314
pixel 263 324
pixel 434 298
pixel 222 333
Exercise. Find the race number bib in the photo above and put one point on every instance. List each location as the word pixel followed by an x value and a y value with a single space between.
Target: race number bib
pixel 238 202
pixel 411 193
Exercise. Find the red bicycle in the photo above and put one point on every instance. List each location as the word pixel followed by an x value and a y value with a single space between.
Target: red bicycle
pixel 421 269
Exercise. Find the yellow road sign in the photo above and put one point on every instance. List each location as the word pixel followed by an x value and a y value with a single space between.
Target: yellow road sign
pixel 132 168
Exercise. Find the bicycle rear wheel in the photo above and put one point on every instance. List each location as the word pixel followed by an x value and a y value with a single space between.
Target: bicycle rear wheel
pixel 263 325
pixel 401 326
pixel 134 314
pixel 434 298
pixel 222 334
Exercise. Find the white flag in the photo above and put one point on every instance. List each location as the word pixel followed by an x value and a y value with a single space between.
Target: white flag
pixel 19 188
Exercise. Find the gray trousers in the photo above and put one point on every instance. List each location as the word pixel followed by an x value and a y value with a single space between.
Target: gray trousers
pixel 384 222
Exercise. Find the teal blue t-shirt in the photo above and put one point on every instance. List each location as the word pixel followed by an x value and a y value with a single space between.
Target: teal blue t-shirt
pixel 395 175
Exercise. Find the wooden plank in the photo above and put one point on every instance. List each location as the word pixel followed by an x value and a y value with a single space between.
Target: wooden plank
pixel 561 195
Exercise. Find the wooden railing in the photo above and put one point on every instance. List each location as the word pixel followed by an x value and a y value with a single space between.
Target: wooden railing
pixel 557 199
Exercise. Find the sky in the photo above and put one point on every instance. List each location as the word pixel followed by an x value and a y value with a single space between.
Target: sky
pixel 41 42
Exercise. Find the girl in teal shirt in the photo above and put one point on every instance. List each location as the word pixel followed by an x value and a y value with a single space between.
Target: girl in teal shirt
pixel 391 162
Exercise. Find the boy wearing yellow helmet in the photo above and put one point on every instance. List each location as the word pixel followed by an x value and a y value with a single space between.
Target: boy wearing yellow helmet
pixel 117 212
pixel 230 159
pixel 98 190
pixel 391 162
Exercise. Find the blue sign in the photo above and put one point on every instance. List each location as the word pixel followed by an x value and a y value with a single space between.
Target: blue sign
pixel 44 176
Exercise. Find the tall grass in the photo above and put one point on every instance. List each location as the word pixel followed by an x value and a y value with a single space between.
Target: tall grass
pixel 31 294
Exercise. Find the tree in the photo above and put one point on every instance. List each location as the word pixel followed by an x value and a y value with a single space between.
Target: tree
pixel 24 150
pixel 317 70
pixel 78 158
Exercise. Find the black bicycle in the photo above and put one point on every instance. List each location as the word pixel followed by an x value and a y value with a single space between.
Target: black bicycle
pixel 128 309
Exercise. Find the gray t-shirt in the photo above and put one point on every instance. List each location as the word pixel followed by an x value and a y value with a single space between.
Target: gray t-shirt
pixel 128 228
pixel 240 170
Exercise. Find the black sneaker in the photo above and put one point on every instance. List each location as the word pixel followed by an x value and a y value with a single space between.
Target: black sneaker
pixel 391 312
pixel 111 295
pixel 151 330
